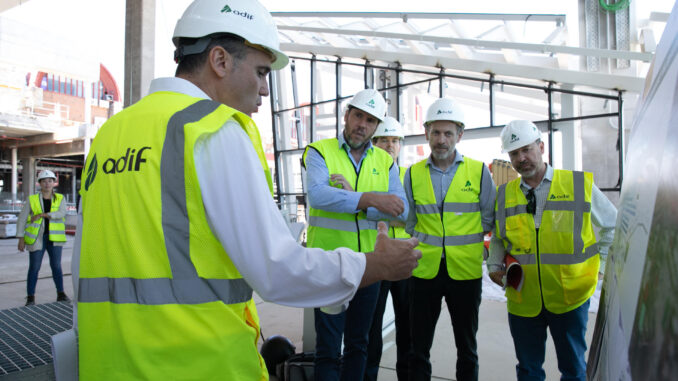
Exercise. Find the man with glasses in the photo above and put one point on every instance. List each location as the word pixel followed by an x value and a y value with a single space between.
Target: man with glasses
pixel 545 220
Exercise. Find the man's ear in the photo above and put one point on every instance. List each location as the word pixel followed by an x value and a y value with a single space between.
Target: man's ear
pixel 220 61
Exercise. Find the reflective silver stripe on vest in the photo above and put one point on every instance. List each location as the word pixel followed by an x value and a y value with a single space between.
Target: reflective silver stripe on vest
pixel 567 205
pixel 579 207
pixel 427 209
pixel 500 215
pixel 163 290
pixel 461 207
pixel 185 286
pixel 30 235
pixel 569 259
pixel 525 259
pixel 453 240
pixel 342 225
pixel 33 225
pixel 516 210
pixel 57 231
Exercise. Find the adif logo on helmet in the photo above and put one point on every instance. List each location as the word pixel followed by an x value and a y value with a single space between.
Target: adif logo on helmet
pixel 445 112
pixel 371 103
pixel 514 138
pixel 227 9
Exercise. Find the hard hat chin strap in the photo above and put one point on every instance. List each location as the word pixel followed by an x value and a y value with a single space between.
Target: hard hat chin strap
pixel 195 48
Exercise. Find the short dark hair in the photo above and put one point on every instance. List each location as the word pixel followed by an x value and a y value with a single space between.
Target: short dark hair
pixel 189 64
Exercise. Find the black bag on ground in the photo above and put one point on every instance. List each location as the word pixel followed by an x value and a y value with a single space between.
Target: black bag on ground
pixel 299 367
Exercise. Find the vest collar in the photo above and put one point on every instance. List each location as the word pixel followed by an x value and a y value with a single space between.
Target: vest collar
pixel 548 176
pixel 342 143
pixel 176 85
pixel 458 158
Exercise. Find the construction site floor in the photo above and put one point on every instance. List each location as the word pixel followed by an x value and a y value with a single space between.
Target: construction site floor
pixel 495 347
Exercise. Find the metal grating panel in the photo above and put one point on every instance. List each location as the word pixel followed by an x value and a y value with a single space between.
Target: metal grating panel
pixel 25 335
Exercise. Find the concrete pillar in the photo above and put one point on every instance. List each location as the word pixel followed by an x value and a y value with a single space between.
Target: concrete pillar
pixel 28 174
pixel 139 48
pixel 15 175
pixel 571 138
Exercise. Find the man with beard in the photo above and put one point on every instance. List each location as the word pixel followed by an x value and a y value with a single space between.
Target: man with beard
pixel 351 186
pixel 544 220
pixel 451 197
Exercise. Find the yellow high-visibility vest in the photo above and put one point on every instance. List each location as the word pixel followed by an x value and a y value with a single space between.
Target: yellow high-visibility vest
pixel 159 297
pixel 330 230
pixel 560 261
pixel 457 228
pixel 399 232
pixel 56 226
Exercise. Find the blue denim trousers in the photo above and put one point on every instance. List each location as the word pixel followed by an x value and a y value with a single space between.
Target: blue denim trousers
pixel 568 332
pixel 35 261
pixel 354 324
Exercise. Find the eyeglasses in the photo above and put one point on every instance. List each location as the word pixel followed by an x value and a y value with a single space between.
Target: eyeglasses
pixel 531 202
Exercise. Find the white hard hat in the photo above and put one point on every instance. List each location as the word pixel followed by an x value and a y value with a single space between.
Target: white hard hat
pixel 389 127
pixel 518 133
pixel 445 109
pixel 46 174
pixel 370 101
pixel 245 18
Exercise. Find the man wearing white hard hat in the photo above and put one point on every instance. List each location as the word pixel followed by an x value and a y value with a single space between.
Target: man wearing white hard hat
pixel 389 137
pixel 42 226
pixel 451 199
pixel 545 219
pixel 180 226
pixel 351 186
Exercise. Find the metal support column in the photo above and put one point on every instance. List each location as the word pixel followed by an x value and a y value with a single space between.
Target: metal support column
pixel 549 92
pixel 620 137
pixel 311 127
pixel 337 102
pixel 15 175
pixel 491 100
pixel 441 83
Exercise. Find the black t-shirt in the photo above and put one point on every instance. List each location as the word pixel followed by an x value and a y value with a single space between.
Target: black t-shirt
pixel 46 207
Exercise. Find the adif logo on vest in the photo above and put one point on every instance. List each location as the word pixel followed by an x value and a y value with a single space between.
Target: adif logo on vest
pixel 126 162
pixel 559 196
pixel 468 187
pixel 91 172
pixel 374 171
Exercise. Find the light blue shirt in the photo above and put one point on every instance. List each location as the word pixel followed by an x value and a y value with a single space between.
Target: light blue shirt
pixel 321 195
pixel 441 181
pixel 603 215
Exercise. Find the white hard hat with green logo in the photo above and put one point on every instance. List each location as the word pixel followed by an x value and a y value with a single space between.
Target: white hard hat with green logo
pixel 445 109
pixel 390 127
pixel 370 101
pixel 46 174
pixel 244 18
pixel 517 134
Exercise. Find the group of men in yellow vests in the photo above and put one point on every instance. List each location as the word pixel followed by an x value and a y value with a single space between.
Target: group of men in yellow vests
pixel 171 249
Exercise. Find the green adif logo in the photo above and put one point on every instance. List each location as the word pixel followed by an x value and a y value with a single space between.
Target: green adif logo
pixel 371 103
pixel 227 9
pixel 514 138
pixel 468 183
pixel 559 197
pixel 91 172
pixel 468 187
pixel 374 171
